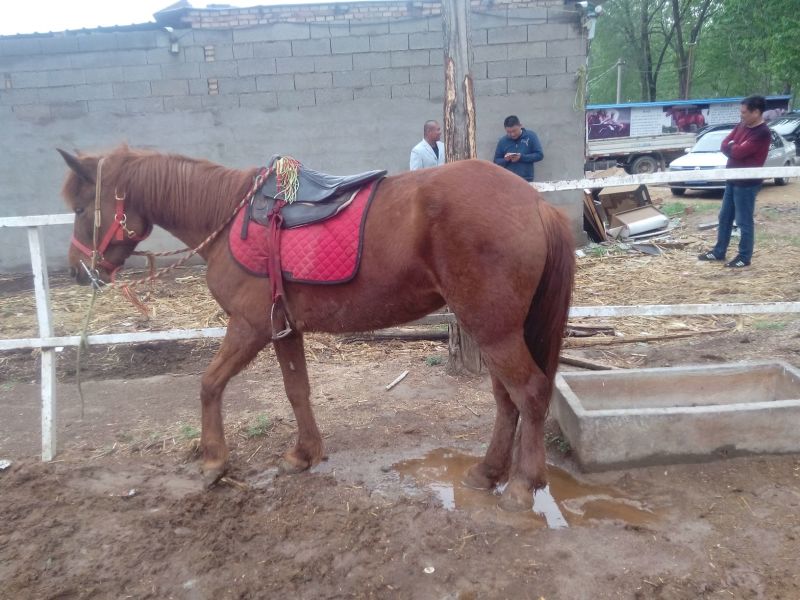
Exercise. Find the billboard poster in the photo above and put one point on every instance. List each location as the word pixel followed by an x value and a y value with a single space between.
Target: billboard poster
pixel 687 118
pixel 605 123
pixel 666 118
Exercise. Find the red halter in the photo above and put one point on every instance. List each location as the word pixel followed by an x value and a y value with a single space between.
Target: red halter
pixel 116 232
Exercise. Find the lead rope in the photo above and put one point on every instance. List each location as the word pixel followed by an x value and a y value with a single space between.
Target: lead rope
pixel 84 342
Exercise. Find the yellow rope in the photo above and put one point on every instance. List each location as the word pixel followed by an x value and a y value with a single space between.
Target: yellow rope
pixel 287 172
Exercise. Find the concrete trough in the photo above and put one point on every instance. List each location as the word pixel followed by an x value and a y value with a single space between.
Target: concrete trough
pixel 642 417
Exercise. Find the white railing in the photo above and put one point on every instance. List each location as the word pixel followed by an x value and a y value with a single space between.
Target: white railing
pixel 47 342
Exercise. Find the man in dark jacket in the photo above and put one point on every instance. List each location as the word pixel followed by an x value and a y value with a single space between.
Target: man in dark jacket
pixel 518 149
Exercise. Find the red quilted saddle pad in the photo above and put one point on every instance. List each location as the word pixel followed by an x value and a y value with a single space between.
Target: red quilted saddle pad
pixel 324 252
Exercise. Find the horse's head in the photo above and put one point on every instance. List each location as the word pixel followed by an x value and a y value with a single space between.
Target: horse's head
pixel 107 226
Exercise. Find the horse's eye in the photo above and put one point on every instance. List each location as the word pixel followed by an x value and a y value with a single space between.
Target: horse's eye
pixel 79 211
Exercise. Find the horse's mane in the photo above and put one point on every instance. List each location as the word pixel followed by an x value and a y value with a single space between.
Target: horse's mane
pixel 182 191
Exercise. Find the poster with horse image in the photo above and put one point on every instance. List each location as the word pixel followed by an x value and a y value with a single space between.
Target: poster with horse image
pixel 605 123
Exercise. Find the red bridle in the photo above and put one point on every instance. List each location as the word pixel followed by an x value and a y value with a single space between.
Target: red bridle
pixel 116 232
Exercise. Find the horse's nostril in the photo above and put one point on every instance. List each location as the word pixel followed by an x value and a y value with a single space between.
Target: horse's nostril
pixel 73 272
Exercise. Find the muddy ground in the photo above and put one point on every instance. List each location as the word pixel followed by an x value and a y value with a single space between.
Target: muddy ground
pixel 121 512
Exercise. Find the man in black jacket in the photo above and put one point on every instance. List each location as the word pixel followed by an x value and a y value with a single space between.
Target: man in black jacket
pixel 518 149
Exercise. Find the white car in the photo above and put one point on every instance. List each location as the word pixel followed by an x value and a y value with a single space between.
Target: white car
pixel 705 154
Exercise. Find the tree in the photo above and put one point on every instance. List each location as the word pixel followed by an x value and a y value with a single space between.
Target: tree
pixel 688 16
pixel 755 45
pixel 654 35
pixel 641 23
pixel 696 48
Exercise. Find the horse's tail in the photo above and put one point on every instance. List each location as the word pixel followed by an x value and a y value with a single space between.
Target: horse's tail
pixel 547 316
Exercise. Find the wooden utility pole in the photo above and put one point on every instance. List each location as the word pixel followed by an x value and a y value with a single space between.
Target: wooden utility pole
pixel 459 140
pixel 459 98
pixel 620 64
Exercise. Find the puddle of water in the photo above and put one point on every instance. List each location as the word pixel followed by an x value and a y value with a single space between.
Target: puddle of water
pixel 564 502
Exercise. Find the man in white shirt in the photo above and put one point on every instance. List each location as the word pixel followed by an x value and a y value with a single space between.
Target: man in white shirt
pixel 430 151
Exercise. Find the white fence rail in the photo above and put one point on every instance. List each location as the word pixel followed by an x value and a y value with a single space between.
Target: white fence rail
pixel 669 177
pixel 47 342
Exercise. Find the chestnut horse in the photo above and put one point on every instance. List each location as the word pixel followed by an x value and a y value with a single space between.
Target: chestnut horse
pixel 467 234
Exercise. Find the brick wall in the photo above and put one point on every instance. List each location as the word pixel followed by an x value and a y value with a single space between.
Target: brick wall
pixel 285 57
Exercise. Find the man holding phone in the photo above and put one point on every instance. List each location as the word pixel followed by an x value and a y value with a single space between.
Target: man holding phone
pixel 518 149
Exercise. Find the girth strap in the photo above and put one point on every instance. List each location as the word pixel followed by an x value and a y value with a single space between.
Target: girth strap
pixel 276 273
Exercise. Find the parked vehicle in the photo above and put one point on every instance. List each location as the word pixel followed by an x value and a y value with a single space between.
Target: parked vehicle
pixel 643 137
pixel 789 127
pixel 705 154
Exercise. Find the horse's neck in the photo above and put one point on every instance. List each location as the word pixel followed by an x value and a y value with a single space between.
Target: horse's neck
pixel 192 200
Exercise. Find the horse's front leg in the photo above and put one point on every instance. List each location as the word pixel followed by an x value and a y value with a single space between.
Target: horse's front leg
pixel 240 345
pixel 308 450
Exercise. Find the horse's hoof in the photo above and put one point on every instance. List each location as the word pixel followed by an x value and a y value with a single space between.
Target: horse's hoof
pixel 516 497
pixel 289 467
pixel 212 475
pixel 476 478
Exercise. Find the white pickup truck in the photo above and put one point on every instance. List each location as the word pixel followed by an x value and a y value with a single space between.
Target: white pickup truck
pixel 644 137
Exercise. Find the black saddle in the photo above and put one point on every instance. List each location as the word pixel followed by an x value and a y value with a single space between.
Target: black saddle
pixel 319 197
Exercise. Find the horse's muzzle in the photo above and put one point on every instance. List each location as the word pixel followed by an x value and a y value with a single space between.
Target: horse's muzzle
pixel 80 275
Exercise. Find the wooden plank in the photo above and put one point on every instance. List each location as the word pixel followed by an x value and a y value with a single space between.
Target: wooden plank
pixel 592 216
pixel 435 319
pixel 37 220
pixel 608 341
pixel 585 364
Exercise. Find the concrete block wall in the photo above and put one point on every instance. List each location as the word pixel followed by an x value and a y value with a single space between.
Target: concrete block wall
pixel 342 87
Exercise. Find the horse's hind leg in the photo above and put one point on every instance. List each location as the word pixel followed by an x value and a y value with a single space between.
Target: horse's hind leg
pixel 511 363
pixel 240 345
pixel 495 466
pixel 308 450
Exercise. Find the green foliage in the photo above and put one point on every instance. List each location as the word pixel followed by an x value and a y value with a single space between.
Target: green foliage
pixel 758 41
pixel 742 47
pixel 672 209
pixel 769 325
pixel 189 432
pixel 433 361
pixel 258 428
pixel 706 207
pixel 597 251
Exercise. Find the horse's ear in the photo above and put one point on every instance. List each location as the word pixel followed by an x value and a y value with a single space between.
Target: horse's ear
pixel 79 166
